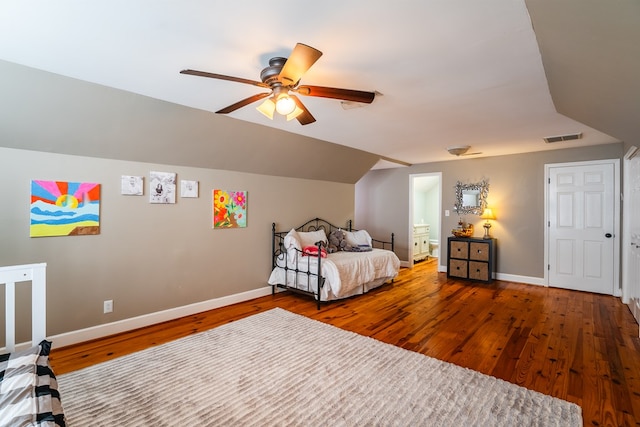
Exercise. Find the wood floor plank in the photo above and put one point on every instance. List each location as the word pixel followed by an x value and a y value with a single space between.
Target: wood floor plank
pixel 576 346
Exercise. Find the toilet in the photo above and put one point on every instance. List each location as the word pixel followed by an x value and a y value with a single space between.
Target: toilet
pixel 434 248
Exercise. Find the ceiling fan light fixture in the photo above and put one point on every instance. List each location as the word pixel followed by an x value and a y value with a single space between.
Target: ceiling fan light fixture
pixel 285 105
pixel 458 150
pixel 267 108
pixel 296 112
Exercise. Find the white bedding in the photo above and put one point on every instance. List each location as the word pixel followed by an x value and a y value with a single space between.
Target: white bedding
pixel 346 273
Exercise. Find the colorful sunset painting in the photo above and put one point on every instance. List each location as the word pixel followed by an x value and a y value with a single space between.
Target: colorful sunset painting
pixel 61 208
pixel 229 209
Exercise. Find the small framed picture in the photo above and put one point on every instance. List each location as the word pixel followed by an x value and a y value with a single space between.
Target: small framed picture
pixel 162 187
pixel 188 188
pixel 132 185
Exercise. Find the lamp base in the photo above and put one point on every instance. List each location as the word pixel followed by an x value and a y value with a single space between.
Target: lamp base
pixel 486 226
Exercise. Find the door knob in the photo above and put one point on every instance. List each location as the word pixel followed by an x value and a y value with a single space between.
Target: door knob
pixel 608 235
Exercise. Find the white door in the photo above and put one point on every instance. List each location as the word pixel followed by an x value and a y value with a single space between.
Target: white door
pixel 631 243
pixel 581 237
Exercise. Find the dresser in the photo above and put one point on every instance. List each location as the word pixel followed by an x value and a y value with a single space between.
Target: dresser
pixel 420 241
pixel 471 258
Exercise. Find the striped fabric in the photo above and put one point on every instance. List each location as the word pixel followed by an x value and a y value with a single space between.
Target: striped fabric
pixel 29 389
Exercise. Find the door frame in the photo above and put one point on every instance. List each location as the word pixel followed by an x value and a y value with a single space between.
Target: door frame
pixel 629 293
pixel 412 177
pixel 617 290
pixel 626 224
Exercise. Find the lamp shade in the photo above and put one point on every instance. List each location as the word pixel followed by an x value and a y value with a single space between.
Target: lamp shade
pixel 487 213
pixel 267 108
pixel 296 112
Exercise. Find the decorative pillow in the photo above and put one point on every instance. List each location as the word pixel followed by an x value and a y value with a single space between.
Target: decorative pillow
pixel 358 238
pixel 313 251
pixel 29 389
pixel 334 241
pixel 311 238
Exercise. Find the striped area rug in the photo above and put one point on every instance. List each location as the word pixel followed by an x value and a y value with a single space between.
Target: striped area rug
pixel 279 368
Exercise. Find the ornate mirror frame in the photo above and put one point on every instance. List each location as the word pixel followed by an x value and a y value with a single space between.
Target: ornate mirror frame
pixel 479 190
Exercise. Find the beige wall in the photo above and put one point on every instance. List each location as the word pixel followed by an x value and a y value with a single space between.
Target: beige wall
pixel 516 194
pixel 43 111
pixel 147 257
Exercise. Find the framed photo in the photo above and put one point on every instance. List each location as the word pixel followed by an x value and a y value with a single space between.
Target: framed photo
pixel 132 185
pixel 188 188
pixel 162 187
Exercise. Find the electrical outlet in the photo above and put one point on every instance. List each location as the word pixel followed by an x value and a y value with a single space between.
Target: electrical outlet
pixel 108 306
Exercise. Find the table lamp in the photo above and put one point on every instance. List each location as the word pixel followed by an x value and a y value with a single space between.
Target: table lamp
pixel 487 214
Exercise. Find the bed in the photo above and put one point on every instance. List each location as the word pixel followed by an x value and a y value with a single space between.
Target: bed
pixel 328 262
pixel 28 388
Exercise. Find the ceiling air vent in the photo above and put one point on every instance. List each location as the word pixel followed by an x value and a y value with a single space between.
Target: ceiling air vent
pixel 560 138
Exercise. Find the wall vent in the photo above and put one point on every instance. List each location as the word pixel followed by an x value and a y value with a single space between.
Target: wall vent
pixel 560 138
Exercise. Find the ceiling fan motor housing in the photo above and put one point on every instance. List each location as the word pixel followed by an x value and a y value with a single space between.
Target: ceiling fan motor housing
pixel 269 75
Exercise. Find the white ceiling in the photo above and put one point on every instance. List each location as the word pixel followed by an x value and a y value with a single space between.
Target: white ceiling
pixel 451 72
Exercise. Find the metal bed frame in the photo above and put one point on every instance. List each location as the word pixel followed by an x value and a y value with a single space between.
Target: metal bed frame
pixel 311 278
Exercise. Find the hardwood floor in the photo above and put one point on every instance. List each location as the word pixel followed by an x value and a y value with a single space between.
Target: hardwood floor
pixel 577 346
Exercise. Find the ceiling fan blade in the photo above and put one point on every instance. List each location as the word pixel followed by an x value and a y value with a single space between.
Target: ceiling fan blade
pixel 223 77
pixel 305 117
pixel 240 104
pixel 335 93
pixel 298 63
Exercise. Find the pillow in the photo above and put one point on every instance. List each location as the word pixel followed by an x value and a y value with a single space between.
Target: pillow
pixel 311 238
pixel 292 240
pixel 313 251
pixel 358 238
pixel 29 389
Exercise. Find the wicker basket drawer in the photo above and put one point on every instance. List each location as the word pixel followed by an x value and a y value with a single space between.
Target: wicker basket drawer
pixel 478 270
pixel 479 251
pixel 457 268
pixel 459 250
pixel 471 258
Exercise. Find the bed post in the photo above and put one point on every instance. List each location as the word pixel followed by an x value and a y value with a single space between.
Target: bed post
pixel 319 278
pixel 273 253
pixel 349 225
pixel 392 242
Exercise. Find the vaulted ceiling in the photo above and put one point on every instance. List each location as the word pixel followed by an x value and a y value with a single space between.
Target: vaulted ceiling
pixel 497 75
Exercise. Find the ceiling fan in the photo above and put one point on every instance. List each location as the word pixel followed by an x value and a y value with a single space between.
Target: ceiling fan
pixel 282 77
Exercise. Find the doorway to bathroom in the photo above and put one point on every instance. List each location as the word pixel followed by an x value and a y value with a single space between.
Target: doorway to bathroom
pixel 424 216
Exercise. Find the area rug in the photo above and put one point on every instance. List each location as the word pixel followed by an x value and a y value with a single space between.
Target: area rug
pixel 280 368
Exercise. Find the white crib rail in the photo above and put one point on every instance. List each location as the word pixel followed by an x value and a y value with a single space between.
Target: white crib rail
pixel 36 274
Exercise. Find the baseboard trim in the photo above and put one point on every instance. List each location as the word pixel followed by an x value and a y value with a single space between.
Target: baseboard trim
pixel 100 331
pixel 528 280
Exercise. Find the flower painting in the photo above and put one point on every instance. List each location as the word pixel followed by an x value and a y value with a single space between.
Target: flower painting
pixel 60 208
pixel 229 209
